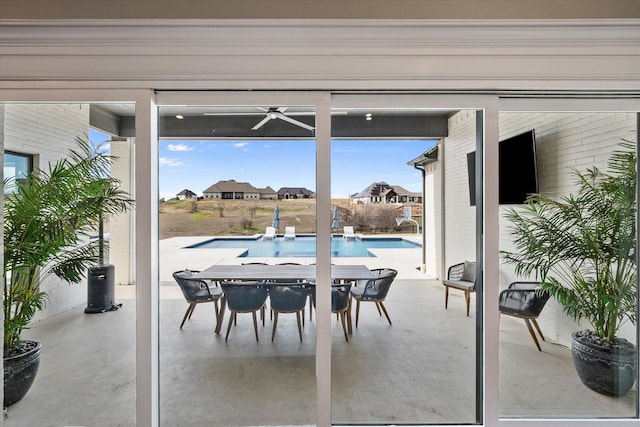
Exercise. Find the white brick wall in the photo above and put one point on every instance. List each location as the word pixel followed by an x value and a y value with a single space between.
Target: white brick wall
pixel 460 220
pixel 564 141
pixel 48 131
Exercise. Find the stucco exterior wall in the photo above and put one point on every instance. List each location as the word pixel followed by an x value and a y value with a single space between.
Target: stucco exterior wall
pixel 121 227
pixel 432 219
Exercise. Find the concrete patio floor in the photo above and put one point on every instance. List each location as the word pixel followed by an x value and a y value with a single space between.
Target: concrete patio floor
pixel 420 370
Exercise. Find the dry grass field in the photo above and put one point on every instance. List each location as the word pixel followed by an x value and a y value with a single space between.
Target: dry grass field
pixel 245 217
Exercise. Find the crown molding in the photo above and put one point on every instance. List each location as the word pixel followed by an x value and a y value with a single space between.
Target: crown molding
pixel 322 50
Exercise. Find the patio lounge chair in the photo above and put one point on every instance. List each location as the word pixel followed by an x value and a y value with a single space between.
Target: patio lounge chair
pixel 461 276
pixel 348 232
pixel 195 292
pixel 289 233
pixel 524 300
pixel 270 233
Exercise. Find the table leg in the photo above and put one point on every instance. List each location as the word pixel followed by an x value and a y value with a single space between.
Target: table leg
pixel 349 327
pixel 223 305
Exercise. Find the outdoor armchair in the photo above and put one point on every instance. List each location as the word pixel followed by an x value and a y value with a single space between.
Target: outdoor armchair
pixel 339 304
pixel 244 297
pixel 524 300
pixel 196 292
pixel 306 285
pixel 287 298
pixel 461 276
pixel 374 290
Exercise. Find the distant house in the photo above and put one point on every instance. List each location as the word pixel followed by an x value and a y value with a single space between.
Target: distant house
pixel 381 192
pixel 231 190
pixel 268 193
pixel 187 195
pixel 285 193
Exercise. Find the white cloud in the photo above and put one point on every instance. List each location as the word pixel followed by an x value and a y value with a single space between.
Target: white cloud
pixel 164 161
pixel 239 144
pixel 179 147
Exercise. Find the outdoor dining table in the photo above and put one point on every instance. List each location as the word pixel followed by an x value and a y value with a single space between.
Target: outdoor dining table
pixel 258 272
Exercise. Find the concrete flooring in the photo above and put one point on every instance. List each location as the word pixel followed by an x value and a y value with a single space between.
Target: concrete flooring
pixel 419 370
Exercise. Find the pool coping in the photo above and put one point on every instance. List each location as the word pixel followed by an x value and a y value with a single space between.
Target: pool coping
pixel 173 256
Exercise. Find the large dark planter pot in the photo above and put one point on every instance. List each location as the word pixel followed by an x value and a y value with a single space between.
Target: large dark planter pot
pixel 605 368
pixel 20 370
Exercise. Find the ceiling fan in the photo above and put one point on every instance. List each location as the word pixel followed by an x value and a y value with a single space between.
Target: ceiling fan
pixel 278 113
pixel 271 113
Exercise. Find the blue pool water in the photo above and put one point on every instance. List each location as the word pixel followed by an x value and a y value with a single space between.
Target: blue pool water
pixel 305 246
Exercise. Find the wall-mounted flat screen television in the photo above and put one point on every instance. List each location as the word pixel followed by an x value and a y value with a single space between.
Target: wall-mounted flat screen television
pixel 518 174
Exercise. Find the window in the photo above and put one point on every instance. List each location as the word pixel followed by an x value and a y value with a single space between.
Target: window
pixel 16 167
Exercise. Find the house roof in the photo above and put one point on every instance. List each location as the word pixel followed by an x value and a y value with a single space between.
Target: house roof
pixel 382 189
pixel 231 186
pixel 295 190
pixel 375 189
pixel 429 156
pixel 186 192
pixel 401 191
pixel 266 190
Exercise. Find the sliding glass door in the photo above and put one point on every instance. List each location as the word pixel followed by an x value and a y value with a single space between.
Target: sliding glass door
pixel 238 187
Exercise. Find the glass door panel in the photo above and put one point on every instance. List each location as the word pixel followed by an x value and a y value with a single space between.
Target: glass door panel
pixel 86 329
pixel 237 187
pixel 551 150
pixel 400 179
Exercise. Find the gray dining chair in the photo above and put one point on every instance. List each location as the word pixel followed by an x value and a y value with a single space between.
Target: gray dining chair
pixel 196 292
pixel 308 287
pixel 339 304
pixel 244 297
pixel 374 290
pixel 285 297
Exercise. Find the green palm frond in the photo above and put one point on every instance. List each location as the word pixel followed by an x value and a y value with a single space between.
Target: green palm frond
pixel 45 227
pixel 583 246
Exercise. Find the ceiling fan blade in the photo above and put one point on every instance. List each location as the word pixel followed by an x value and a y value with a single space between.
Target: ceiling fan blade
pixel 233 114
pixel 294 121
pixel 261 123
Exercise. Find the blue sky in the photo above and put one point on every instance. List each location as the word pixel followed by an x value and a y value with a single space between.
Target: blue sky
pixel 195 165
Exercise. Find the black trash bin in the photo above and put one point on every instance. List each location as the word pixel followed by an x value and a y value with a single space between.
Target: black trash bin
pixel 100 289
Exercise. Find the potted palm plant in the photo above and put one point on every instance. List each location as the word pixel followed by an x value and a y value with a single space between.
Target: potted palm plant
pixel 46 224
pixel 582 248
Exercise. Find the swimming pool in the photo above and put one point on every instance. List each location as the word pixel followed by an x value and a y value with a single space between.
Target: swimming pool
pixel 305 246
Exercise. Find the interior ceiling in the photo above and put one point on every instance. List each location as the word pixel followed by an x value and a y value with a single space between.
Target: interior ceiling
pixel 216 122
